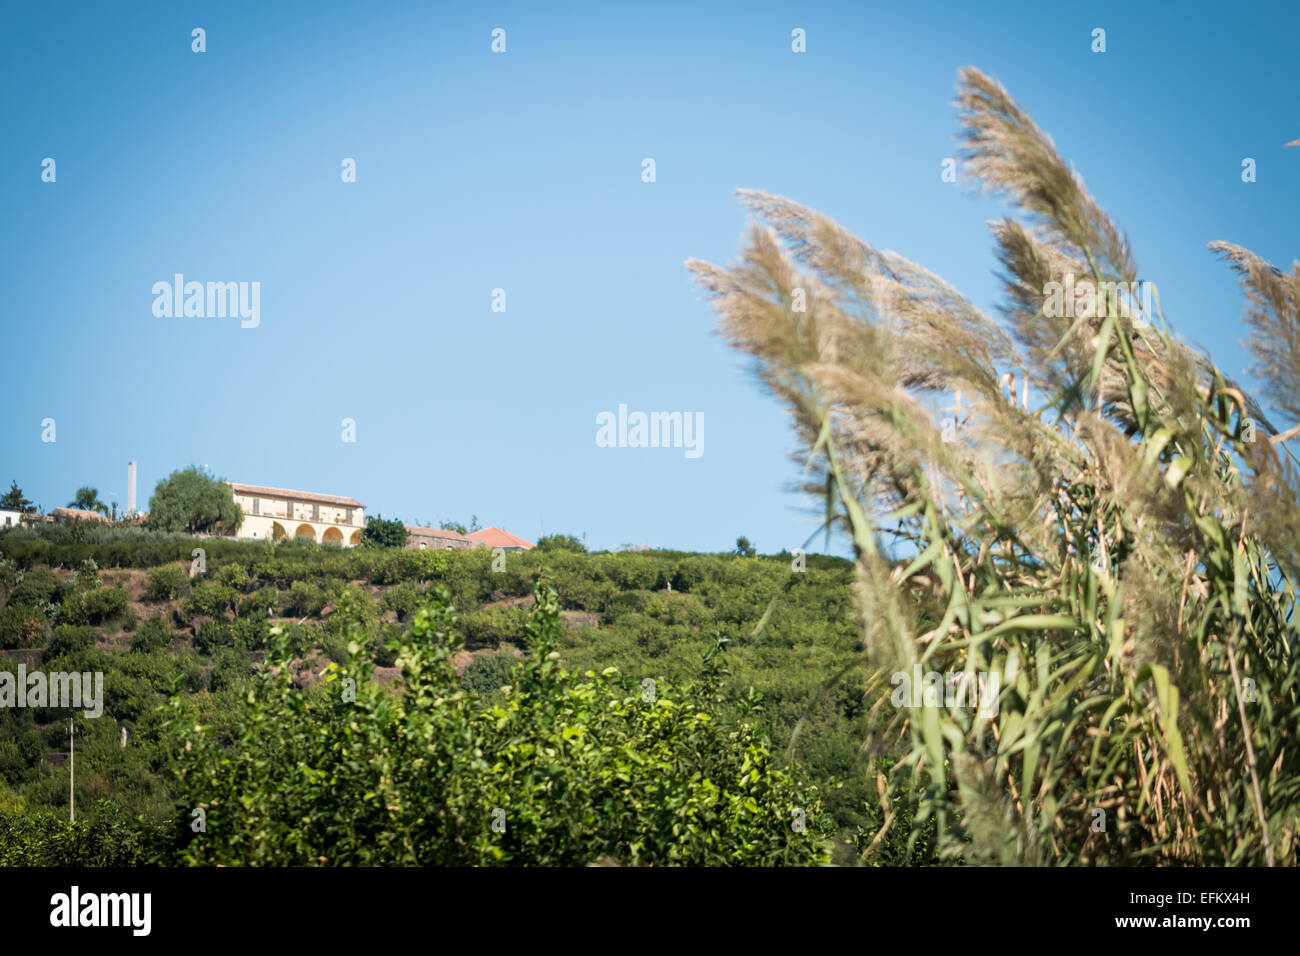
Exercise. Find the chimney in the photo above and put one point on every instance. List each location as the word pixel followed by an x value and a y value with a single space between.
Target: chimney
pixel 130 489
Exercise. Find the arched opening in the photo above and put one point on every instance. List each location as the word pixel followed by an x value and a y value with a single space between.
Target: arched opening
pixel 332 536
pixel 305 532
pixel 356 538
pixel 277 531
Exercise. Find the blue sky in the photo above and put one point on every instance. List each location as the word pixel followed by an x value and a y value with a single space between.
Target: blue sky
pixel 522 171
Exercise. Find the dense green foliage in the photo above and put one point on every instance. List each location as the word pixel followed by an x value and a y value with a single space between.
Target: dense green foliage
pixel 48 839
pixel 210 636
pixel 166 583
pixel 559 542
pixel 565 770
pixel 380 532
pixel 192 500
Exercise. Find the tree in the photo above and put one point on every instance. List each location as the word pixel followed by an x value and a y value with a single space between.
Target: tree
pixel 381 533
pixel 13 500
pixel 460 528
pixel 87 499
pixel 192 500
pixel 560 542
pixel 743 547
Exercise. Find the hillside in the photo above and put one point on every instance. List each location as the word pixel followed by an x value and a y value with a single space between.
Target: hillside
pixel 139 608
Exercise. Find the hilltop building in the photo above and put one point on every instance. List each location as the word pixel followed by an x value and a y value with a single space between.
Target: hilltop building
pixel 435 538
pixel 271 514
pixel 497 538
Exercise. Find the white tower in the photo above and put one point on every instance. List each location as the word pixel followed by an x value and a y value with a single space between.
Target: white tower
pixel 130 489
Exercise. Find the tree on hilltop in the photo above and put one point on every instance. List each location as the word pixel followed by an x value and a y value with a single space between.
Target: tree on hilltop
pixel 87 499
pixel 192 500
pixel 381 533
pixel 13 500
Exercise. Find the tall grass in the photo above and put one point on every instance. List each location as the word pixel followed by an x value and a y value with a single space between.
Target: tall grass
pixel 1113 532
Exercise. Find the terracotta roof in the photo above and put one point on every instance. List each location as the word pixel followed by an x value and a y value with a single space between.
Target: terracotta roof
pixel 435 533
pixel 497 538
pixel 78 513
pixel 266 492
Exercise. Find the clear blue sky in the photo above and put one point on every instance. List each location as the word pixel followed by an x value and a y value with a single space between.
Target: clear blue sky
pixel 522 171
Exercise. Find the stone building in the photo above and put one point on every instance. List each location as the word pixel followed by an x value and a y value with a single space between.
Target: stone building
pixel 435 538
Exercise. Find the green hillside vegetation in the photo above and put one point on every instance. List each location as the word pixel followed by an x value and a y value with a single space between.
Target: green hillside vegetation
pixel 287 621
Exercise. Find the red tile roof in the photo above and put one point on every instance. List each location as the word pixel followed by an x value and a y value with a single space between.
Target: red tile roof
pixel 80 513
pixel 263 491
pixel 497 538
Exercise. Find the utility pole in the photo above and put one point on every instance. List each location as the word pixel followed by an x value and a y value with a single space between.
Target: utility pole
pixel 72 774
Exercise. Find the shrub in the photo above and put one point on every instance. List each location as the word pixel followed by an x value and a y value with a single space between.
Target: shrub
pixel 39 588
pixel 67 639
pixel 487 673
pixel 304 600
pixel 229 667
pixel 495 625
pixel 560 542
pixel 259 603
pixel 232 576
pixel 166 583
pixel 209 599
pixel 154 635
pixel 73 609
pixel 405 598
pixel 21 627
pixel 106 604
pixel 212 635
pixel 251 633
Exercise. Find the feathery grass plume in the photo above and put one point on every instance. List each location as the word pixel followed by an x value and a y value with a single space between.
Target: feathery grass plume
pixel 1119 560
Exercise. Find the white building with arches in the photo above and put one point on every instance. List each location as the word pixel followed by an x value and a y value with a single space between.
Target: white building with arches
pixel 273 514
